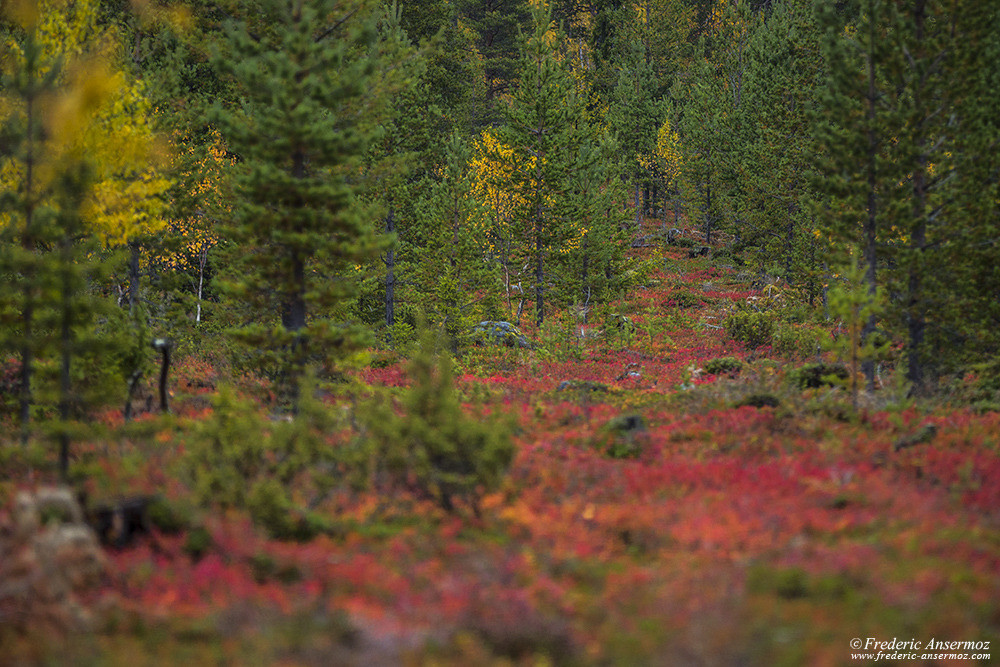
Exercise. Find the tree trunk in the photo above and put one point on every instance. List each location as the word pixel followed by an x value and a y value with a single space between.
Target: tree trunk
pixel 28 313
pixel 872 205
pixel 915 316
pixel 708 213
pixel 390 273
pixel 27 366
pixel 202 262
pixel 133 275
pixel 539 278
pixel 638 204
pixel 65 354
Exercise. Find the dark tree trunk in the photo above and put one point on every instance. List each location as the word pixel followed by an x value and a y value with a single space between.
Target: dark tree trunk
pixel 65 354
pixel 390 273
pixel 133 276
pixel 915 315
pixel 293 315
pixel 27 366
pixel 164 373
pixel 708 213
pixel 28 314
pixel 539 278
pixel 870 228
pixel 638 204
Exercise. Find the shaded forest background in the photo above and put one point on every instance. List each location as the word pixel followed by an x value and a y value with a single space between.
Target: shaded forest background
pixel 270 184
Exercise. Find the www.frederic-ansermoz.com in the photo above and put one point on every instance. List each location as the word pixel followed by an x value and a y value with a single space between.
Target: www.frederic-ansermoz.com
pixel 874 649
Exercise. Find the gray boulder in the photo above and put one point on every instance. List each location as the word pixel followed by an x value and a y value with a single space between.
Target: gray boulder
pixel 499 333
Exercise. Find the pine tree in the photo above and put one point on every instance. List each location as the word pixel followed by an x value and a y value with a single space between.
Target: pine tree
pixel 899 161
pixel 306 119
pixel 496 24
pixel 436 447
pixel 451 272
pixel 858 180
pixel 595 195
pixel 545 129
pixel 703 125
pixel 635 115
pixel 783 69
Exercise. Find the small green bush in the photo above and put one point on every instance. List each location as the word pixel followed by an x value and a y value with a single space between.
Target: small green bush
pixel 166 517
pixel 431 445
pixel 619 441
pixel 723 366
pixel 684 242
pixel 761 400
pixel 240 459
pixel 794 341
pixel 751 328
pixel 820 374
pixel 198 543
pixel 984 394
pixel 685 299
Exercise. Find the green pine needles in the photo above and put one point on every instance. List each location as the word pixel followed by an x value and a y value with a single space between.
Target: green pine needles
pixel 429 444
pixel 298 226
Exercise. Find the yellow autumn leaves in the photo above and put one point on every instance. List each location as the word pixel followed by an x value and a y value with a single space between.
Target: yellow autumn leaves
pixel 94 113
pixel 493 168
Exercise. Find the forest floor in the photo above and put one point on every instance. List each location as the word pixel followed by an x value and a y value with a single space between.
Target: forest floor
pixel 652 516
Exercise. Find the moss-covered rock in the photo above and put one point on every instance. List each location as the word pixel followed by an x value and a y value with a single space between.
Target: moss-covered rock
pixel 499 333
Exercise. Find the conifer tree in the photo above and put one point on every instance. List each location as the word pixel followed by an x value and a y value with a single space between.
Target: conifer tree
pixel 496 24
pixel 304 123
pixel 703 125
pixel 435 447
pixel 595 198
pixel 783 70
pixel 545 129
pixel 49 256
pixel 899 161
pixel 635 115
pixel 451 271
pixel 857 179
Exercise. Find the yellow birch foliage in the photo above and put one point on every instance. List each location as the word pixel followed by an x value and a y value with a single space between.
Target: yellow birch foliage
pixel 208 177
pixel 100 114
pixel 668 152
pixel 493 170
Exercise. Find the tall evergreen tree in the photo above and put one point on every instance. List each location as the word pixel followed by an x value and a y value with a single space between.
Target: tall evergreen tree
pixel 858 181
pixel 496 24
pixel 49 252
pixel 783 70
pixel 306 119
pixel 901 138
pixel 451 273
pixel 635 115
pixel 545 128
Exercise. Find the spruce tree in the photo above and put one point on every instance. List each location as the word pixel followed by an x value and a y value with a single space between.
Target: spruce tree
pixel 451 272
pixel 783 70
pixel 305 119
pixel 545 128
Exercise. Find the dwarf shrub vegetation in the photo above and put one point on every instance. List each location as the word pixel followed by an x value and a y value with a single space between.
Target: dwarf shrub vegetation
pixel 240 459
pixel 751 328
pixel 428 444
